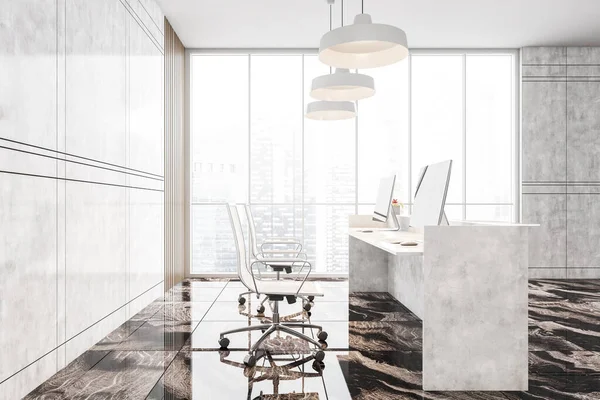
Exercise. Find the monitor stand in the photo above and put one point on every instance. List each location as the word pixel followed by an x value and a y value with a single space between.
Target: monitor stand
pixel 394 217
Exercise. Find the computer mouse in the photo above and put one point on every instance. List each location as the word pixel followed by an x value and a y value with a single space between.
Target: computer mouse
pixel 409 244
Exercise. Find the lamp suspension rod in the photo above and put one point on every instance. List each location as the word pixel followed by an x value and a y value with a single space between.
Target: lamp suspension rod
pixel 330 26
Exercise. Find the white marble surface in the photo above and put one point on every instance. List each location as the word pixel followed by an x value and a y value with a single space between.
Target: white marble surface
pixel 475 308
pixel 406 281
pixel 95 253
pixel 28 302
pixel 145 240
pixel 29 378
pixel 470 289
pixel 388 240
pixel 146 125
pixel 96 88
pixel 85 79
pixel 368 267
pixel 28 70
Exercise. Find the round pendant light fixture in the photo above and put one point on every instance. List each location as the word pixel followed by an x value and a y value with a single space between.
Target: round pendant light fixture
pixel 330 110
pixel 342 86
pixel 363 45
pixel 336 90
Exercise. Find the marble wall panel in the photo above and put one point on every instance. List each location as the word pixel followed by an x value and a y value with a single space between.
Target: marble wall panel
pixel 96 79
pixel 28 302
pixel 96 272
pixel 28 53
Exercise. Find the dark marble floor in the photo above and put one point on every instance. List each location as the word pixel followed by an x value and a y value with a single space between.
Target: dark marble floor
pixel 169 350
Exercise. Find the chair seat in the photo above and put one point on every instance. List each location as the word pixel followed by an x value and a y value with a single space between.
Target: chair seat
pixel 288 288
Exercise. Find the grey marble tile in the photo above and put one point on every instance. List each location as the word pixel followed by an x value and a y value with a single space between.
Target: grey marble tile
pixel 406 282
pixel 188 377
pixel 583 273
pixel 547 273
pixel 368 267
pixel 544 71
pixel 121 374
pixel 544 131
pixel 583 139
pixel 543 55
pixel 476 308
pixel 385 336
pixel 194 293
pixel 83 341
pixel 53 387
pixel 547 244
pixel 114 339
pixel 541 188
pixel 182 311
pixel 583 55
pixel 159 336
pixel 583 230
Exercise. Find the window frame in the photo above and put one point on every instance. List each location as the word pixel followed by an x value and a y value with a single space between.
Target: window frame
pixel 516 134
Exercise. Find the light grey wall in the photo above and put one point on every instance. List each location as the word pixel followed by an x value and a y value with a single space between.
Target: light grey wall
pixel 561 159
pixel 81 177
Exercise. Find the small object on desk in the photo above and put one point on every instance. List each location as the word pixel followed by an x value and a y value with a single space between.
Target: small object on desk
pixel 409 244
pixel 366 231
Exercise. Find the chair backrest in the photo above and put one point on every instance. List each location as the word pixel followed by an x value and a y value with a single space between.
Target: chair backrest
pixel 245 219
pixel 243 269
pixel 252 230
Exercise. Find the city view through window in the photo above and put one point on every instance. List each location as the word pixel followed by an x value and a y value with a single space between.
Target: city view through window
pixel 250 143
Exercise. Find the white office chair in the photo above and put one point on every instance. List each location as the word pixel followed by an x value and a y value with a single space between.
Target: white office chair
pixel 276 291
pixel 293 247
pixel 274 256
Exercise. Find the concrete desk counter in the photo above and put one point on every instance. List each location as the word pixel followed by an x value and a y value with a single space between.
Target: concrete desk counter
pixel 468 283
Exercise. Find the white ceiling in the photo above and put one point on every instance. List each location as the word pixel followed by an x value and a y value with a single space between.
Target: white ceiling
pixel 427 23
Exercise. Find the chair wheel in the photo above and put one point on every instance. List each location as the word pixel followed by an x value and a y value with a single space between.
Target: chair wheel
pixel 260 309
pixel 250 360
pixel 320 355
pixel 242 300
pixel 307 307
pixel 249 372
pixel 311 298
pixel 224 353
pixel 224 342
pixel 318 365
pixel 322 335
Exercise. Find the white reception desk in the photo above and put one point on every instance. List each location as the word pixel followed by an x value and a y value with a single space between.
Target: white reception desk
pixel 468 284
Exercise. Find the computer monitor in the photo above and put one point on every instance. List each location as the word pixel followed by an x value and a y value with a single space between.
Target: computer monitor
pixel 430 196
pixel 384 198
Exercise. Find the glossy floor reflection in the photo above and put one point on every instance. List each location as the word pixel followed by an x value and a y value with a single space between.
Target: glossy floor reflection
pixel 169 350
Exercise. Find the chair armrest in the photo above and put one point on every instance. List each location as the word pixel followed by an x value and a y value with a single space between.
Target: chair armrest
pixel 272 243
pixel 281 241
pixel 272 253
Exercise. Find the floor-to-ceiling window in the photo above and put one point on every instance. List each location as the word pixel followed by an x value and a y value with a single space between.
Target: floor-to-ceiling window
pixel 250 143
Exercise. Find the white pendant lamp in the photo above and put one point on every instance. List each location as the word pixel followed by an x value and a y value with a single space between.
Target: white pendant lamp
pixel 342 86
pixel 330 110
pixel 363 45
pixel 332 105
